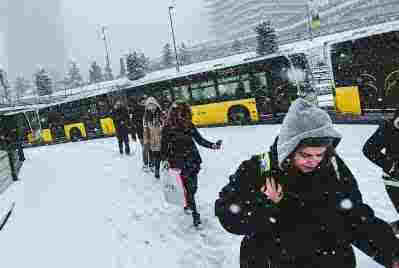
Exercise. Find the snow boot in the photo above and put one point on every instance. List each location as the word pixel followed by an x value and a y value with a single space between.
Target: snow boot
pixel 187 210
pixel 196 219
pixel 146 168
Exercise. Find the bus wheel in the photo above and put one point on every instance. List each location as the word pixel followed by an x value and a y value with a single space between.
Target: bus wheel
pixel 238 115
pixel 75 134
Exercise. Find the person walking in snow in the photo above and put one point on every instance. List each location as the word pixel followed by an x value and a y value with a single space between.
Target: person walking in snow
pixel 179 150
pixel 120 117
pixel 137 111
pixel 386 138
pixel 152 125
pixel 307 211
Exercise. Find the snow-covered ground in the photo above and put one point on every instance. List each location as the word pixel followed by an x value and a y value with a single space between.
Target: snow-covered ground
pixel 83 205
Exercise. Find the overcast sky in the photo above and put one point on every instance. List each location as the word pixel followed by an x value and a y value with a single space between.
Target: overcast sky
pixel 138 25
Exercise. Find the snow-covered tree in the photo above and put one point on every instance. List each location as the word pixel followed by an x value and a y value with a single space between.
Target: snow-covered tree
pixel 167 56
pixel 145 62
pixel 95 73
pixel 4 84
pixel 203 54
pixel 73 78
pixel 136 65
pixel 122 70
pixel 108 75
pixel 266 38
pixel 21 86
pixel 236 46
pixel 43 81
pixel 184 55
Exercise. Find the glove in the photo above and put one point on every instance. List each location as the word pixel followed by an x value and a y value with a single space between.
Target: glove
pixel 217 145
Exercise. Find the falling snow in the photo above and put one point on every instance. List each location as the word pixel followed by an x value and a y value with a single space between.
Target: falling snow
pixel 83 205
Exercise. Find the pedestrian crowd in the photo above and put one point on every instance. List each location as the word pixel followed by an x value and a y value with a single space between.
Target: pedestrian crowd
pixel 297 204
pixel 166 134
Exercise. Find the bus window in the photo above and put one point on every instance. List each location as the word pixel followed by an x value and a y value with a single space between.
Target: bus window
pixel 243 89
pixel 34 124
pixel 227 91
pixel 233 86
pixel 204 92
pixel 258 81
pixel 182 93
pixel 342 58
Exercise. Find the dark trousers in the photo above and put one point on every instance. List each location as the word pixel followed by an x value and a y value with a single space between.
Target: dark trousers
pixel 393 193
pixel 123 139
pixel 20 150
pixel 155 160
pixel 146 154
pixel 190 186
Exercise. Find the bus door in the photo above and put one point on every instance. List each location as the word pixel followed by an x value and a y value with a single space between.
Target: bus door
pixel 34 127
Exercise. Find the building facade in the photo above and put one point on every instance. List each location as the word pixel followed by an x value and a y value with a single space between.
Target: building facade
pixel 33 35
pixel 234 19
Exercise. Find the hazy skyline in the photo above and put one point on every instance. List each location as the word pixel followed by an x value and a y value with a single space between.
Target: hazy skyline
pixel 131 26
pixel 144 27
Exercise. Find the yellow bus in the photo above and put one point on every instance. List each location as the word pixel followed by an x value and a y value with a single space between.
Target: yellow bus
pixel 365 69
pixel 235 89
pixel 239 89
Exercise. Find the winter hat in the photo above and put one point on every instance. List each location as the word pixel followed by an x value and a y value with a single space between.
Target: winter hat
pixel 303 120
pixel 152 101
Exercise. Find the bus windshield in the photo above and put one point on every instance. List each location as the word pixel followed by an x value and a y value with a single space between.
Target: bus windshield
pixel 370 64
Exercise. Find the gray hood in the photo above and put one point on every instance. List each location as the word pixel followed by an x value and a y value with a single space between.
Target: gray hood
pixel 152 100
pixel 303 120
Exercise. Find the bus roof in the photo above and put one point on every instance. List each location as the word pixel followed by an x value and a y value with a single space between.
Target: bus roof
pixel 169 74
pixel 16 110
pixel 364 32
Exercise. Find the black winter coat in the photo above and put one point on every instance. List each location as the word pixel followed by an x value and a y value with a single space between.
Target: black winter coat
pixel 179 149
pixel 385 137
pixel 314 225
pixel 137 120
pixel 121 119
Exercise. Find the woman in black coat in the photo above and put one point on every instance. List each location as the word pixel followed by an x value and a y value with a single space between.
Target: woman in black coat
pixel 386 137
pixel 307 211
pixel 179 150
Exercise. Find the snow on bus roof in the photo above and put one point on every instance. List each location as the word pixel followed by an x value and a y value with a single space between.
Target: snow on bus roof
pixel 166 74
pixel 360 32
pixel 16 109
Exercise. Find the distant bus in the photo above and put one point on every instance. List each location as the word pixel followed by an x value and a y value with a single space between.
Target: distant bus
pixel 229 90
pixel 14 122
pixel 365 69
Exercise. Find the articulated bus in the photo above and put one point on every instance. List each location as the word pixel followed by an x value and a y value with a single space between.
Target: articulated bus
pixel 237 88
pixel 365 69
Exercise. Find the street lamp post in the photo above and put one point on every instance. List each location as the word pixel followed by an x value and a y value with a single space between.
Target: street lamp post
pixel 104 37
pixel 173 37
pixel 309 21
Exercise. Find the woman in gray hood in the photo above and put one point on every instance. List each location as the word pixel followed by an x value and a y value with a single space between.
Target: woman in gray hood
pixel 302 208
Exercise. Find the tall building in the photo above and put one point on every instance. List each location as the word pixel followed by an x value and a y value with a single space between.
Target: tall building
pixel 232 19
pixel 33 36
pixel 235 18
